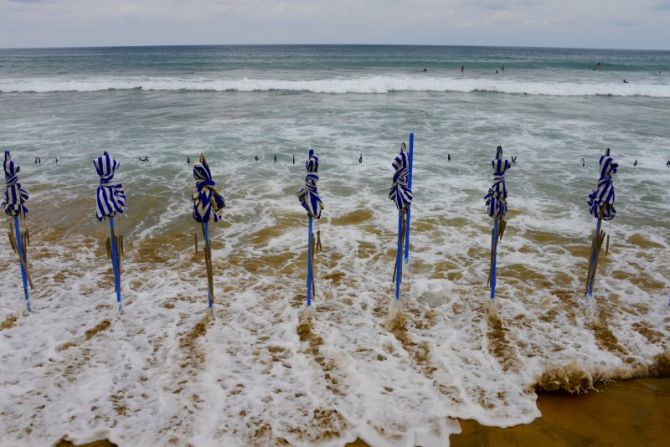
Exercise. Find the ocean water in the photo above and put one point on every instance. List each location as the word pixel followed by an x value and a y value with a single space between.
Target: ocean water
pixel 262 372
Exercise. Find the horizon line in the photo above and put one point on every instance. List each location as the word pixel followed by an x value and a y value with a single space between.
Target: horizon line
pixel 331 45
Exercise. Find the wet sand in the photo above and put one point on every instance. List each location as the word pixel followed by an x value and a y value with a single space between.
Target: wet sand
pixel 626 414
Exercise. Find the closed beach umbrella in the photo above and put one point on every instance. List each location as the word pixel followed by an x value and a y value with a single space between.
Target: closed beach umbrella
pixel 111 200
pixel 14 206
pixel 207 206
pixel 496 207
pixel 401 194
pixel 601 207
pixel 311 201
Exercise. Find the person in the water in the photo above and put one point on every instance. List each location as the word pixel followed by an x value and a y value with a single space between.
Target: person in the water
pixel 360 159
pixel 275 158
pixel 256 157
pixel 668 164
pixel 462 69
pixel 188 159
pixel 635 164
pixel 293 158
pixel 583 162
pixel 448 157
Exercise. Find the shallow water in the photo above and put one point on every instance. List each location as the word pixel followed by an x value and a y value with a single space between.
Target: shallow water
pixel 257 373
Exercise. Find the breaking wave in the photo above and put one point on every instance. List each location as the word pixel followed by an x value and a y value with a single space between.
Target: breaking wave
pixel 362 85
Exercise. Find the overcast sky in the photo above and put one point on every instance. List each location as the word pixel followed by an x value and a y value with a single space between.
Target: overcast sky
pixel 562 23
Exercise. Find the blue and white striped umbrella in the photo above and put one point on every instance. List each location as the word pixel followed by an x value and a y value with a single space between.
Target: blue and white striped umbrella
pixel 14 205
pixel 207 201
pixel 207 206
pixel 496 198
pixel 15 195
pixel 111 199
pixel 602 196
pixel 309 194
pixel 400 192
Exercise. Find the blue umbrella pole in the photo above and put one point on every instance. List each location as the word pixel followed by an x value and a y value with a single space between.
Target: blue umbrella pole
pixel 398 259
pixel 115 264
pixel 409 184
pixel 494 255
pixel 309 261
pixel 595 249
pixel 208 265
pixel 24 276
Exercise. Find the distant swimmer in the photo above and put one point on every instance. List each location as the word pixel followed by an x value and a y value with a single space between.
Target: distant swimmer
pixel 448 157
pixel 56 160
pixel 502 68
pixel 188 159
pixel 668 164
pixel 293 158
pixel 625 82
pixel 360 159
pixel 514 160
pixel 143 159
pixel 635 163
pixel 38 160
pixel 462 69
pixel 496 71
pixel 256 157
pixel 275 158
pixel 425 70
pixel 583 162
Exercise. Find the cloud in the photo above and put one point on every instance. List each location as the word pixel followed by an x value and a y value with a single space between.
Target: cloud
pixel 584 23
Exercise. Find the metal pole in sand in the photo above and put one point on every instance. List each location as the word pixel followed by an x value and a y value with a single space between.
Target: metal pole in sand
pixel 115 263
pixel 409 184
pixel 24 276
pixel 309 260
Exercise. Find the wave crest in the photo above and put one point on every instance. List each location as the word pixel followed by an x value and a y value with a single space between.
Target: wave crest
pixel 362 85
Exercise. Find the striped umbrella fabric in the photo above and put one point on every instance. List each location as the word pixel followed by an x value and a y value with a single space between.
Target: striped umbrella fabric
pixel 400 193
pixel 309 194
pixel 207 201
pixel 110 198
pixel 602 197
pixel 15 196
pixel 496 198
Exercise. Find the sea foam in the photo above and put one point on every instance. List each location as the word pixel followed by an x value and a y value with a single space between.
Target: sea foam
pixel 362 85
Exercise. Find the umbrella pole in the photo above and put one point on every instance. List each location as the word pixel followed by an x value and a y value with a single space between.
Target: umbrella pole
pixel 309 261
pixel 24 278
pixel 115 264
pixel 208 265
pixel 398 259
pixel 409 184
pixel 595 249
pixel 494 254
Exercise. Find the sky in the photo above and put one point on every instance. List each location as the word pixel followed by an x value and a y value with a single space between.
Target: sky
pixel 630 24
